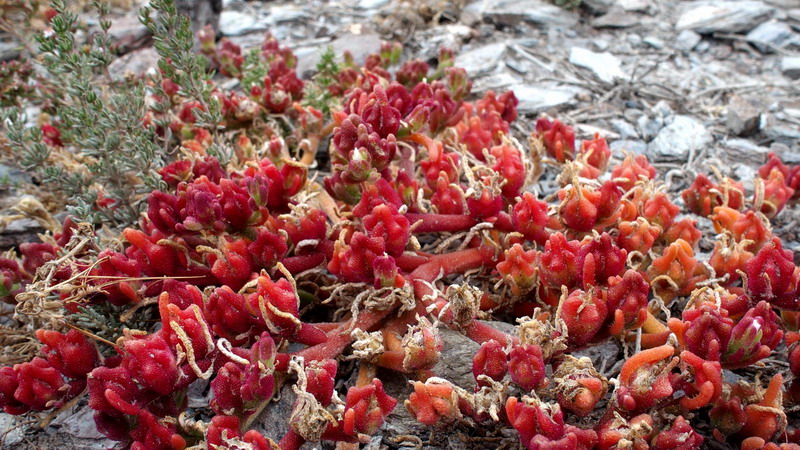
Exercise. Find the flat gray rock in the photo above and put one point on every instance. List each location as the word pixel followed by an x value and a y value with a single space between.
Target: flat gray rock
pixel 12 431
pixel 771 35
pixel 19 232
pixel 288 13
pixel 681 136
pixel 127 34
pixel 785 3
pixel 617 18
pixel 628 145
pixel 539 98
pixel 431 40
pixel 782 133
pixel 235 23
pixel 481 60
pixel 497 82
pixel 744 151
pixel 134 63
pixel 512 12
pixel 785 153
pixel 708 17
pixel 79 422
pixel 605 66
pixel 8 51
pixel 13 175
pixel 359 45
pixel 273 422
pixel 455 363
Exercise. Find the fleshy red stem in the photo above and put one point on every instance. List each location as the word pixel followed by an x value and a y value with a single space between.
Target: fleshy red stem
pixel 454 263
pixel 339 338
pixel 297 264
pixel 310 335
pixel 409 261
pixel 327 327
pixel 392 359
pixel 291 441
pixel 503 223
pixel 450 263
pixel 481 332
pixel 440 223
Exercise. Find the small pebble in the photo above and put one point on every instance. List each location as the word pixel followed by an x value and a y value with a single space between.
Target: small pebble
pixel 600 45
pixel 654 42
pixel 634 39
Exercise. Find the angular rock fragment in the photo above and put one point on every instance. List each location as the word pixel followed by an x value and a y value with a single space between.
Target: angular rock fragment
pixel 706 17
pixel 790 67
pixel 770 36
pixel 682 136
pixel 742 116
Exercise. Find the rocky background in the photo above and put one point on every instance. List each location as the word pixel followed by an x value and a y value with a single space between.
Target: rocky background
pixel 691 84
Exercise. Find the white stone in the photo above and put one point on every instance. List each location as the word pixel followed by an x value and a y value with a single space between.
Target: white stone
pixel 634 5
pixel 617 18
pixel 497 82
pixel 687 40
pixel 654 41
pixel 605 66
